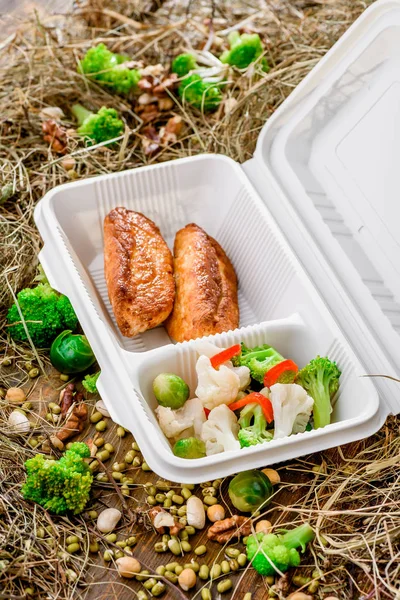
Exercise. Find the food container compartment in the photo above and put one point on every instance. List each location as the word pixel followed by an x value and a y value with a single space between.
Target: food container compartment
pixel 355 405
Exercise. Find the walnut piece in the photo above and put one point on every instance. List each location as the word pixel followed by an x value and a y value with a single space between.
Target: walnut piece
pixel 56 135
pixel 227 529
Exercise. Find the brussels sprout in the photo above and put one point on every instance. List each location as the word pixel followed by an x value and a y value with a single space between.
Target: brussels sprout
pixel 71 353
pixel 189 448
pixel 170 390
pixel 249 490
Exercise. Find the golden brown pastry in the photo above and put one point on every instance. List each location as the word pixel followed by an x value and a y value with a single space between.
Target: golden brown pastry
pixel 206 287
pixel 138 268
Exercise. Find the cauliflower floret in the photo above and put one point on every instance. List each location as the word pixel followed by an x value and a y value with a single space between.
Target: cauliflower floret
pixel 184 422
pixel 292 408
pixel 243 374
pixel 215 386
pixel 220 431
pixel 206 348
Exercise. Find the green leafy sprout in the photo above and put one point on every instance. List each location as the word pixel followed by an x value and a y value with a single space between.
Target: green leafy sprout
pixel 244 50
pixel 90 382
pixel 183 64
pixel 46 313
pixel 98 127
pixel 270 553
pixel 320 379
pixel 59 485
pixel 107 68
pixel 203 95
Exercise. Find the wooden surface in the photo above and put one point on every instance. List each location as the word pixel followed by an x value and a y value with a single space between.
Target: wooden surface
pixel 106 584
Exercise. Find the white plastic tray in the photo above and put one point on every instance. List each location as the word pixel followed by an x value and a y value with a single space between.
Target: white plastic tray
pixel 282 301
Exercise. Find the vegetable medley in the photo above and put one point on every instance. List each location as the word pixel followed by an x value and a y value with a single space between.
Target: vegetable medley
pixel 244 397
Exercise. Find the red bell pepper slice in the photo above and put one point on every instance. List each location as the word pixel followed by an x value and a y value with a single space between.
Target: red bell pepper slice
pixel 264 402
pixel 206 412
pixel 219 359
pixel 283 372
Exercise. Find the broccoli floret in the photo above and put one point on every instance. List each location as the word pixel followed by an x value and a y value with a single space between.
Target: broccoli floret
pixel 200 94
pixel 90 381
pixel 259 360
pixel 183 64
pixel 46 314
pixel 108 69
pixel 244 49
pixel 269 552
pixel 189 448
pixel 320 379
pixel 256 433
pixel 59 485
pixel 98 127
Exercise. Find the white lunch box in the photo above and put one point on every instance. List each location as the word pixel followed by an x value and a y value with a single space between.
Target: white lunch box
pixel 312 226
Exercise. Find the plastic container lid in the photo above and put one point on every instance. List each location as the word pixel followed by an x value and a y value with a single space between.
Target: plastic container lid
pixel 330 157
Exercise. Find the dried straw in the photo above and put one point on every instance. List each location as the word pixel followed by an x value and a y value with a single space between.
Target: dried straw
pixel 352 498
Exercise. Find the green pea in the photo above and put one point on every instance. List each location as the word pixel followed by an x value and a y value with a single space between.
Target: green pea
pixel 101 426
pixel 72 539
pixel 99 442
pixel 150 583
pixel 216 484
pixel 210 500
pixel 71 548
pixel 142 575
pixel 34 373
pixel 131 541
pixel 172 566
pixel 151 490
pixel 145 467
pixel 242 560
pixel 206 594
pixel 182 510
pixel 178 570
pixel 103 455
pixel 160 498
pixel 186 547
pixel 94 547
pixel 160 547
pixel 186 493
pixel 141 595
pixel 193 565
pixel 165 538
pixel 121 432
pixel 109 448
pixel 121 544
pixel 225 568
pixel 224 586
pixel 182 521
pixel 135 447
pixel 248 596
pixel 129 456
pixel 215 571
pixel 176 499
pixel 111 537
pixel 117 476
pixel 56 410
pixel 170 493
pixel 172 577
pixel 160 570
pixel 190 529
pixel 64 377
pixel 183 535
pixel 232 552
pixel 40 532
pixel 158 589
pixel 174 547
pixel 96 417
pixel 200 550
pixel 204 572
pixel 233 564
pixel 167 503
pixel 92 514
